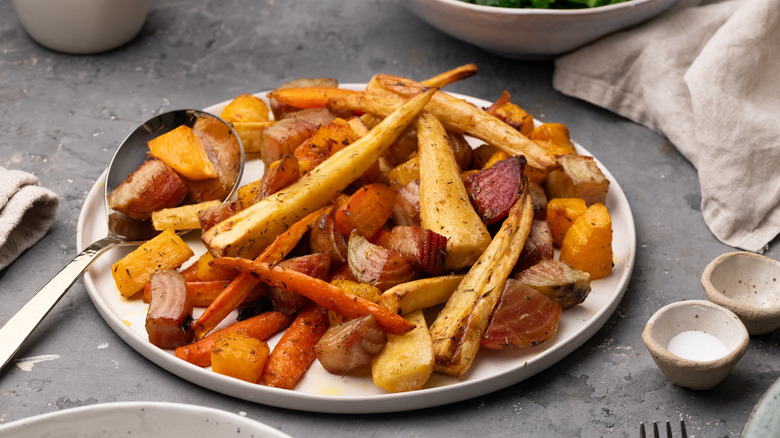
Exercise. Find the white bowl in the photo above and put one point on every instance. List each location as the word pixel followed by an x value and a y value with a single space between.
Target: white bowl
pixel 82 26
pixel 708 320
pixel 748 284
pixel 532 33
pixel 139 420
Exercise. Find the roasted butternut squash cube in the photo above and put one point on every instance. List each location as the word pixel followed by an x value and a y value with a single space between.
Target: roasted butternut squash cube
pixel 554 137
pixel 164 251
pixel 561 213
pixel 184 152
pixel 515 116
pixel 587 245
pixel 237 355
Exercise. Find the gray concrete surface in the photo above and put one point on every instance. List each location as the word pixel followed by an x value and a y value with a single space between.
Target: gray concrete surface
pixel 61 117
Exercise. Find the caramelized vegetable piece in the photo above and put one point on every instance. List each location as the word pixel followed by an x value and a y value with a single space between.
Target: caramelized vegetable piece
pixel 169 308
pixel 460 116
pixel 557 280
pixel 561 213
pixel 206 272
pixel 444 202
pixel 164 251
pixel 349 345
pixel 421 246
pixel 539 198
pixel 307 97
pixel 406 209
pixel 326 141
pixel 214 215
pixel 314 265
pixel 245 108
pixel 221 146
pixel 201 293
pixel 235 294
pixel 406 362
pixel 280 174
pixel 419 294
pixel 261 327
pixel 184 217
pixel 325 294
pixel 494 190
pixel 524 317
pixel 554 137
pixel 448 77
pixel 457 330
pixel 538 246
pixel 288 133
pixel 324 237
pixel 251 230
pixel 184 152
pixel 153 186
pixel 366 211
pixel 294 353
pixel 579 177
pixel 587 245
pixel 237 355
pixel 378 266
pixel 404 173
pixel 280 110
pixel 512 114
pixel 362 290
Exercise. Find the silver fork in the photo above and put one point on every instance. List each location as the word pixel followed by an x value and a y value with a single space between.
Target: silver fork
pixel 656 433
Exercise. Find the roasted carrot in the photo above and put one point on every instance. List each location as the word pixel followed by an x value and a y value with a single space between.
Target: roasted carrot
pixel 241 286
pixel 294 353
pixel 307 97
pixel 367 210
pixel 190 273
pixel 323 293
pixel 262 327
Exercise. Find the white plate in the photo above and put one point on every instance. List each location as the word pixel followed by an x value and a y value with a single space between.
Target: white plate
pixel 138 420
pixel 320 391
pixel 764 421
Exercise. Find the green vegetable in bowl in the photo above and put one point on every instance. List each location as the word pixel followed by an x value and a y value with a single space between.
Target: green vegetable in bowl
pixel 545 4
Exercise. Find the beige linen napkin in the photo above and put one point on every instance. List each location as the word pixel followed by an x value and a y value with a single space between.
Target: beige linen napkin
pixel 27 210
pixel 706 74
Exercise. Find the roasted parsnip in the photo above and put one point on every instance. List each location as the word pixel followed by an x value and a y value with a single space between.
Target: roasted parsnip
pixel 406 362
pixel 457 330
pixel 444 203
pixel 419 294
pixel 248 232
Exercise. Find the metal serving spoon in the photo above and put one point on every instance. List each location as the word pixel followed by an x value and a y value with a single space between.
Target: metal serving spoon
pixel 123 231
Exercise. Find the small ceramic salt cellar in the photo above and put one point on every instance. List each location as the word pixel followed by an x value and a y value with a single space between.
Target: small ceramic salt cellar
pixel 748 284
pixel 695 343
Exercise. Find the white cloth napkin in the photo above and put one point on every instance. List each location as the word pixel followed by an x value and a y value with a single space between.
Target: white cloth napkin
pixel 27 210
pixel 706 74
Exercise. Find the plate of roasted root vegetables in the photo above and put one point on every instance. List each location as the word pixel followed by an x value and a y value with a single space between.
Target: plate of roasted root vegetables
pixel 391 247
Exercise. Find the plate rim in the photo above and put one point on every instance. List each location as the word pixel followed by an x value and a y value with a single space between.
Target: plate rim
pixel 170 408
pixel 382 403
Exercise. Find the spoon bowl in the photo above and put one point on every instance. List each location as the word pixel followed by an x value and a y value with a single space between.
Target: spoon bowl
pixel 228 152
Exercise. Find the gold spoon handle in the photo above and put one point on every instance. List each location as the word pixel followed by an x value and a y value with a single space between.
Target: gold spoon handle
pixel 21 325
